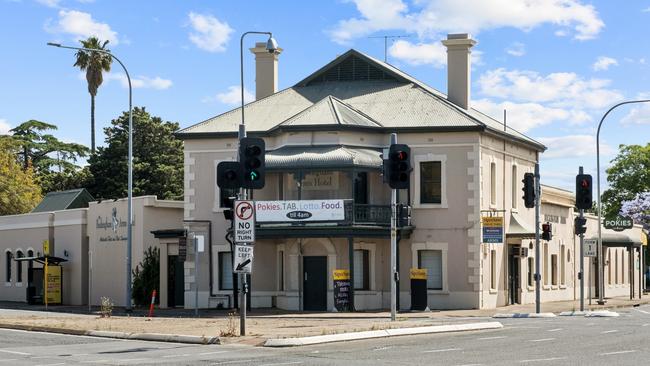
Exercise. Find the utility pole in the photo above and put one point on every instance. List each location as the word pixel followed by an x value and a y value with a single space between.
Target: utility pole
pixel 538 276
pixel 393 245
pixel 582 258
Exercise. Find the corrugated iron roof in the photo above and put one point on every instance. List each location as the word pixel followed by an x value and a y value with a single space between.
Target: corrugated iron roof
pixel 322 157
pixel 64 200
pixel 330 111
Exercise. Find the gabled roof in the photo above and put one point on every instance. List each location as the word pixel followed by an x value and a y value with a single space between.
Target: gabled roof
pixel 366 93
pixel 64 200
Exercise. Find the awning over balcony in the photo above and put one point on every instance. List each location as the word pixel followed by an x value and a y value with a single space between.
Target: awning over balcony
pixel 614 239
pixel 322 157
pixel 519 228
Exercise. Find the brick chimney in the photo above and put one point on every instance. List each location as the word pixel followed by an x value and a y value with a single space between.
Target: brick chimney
pixel 459 68
pixel 266 70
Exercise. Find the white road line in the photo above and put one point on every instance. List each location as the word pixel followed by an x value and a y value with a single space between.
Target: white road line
pixel 9 359
pixel 442 350
pixel 16 352
pixel 609 331
pixel 645 325
pixel 235 361
pixel 472 364
pixel 617 353
pixel 282 363
pixel 52 364
pixel 542 340
pixel 642 311
pixel 211 353
pixel 488 338
pixel 94 361
pixel 181 355
pixel 543 359
pixel 555 330
pixel 132 359
pixel 382 348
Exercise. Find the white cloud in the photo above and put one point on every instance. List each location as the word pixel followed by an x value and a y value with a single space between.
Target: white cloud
pixel 433 17
pixel 82 25
pixel 231 97
pixel 572 146
pixel 639 115
pixel 4 127
pixel 603 63
pixel 209 34
pixel 49 3
pixel 646 10
pixel 420 54
pixel 138 82
pixel 524 117
pixel 516 49
pixel 562 89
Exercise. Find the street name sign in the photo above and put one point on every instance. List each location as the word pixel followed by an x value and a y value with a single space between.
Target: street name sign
pixel 590 247
pixel 244 222
pixel 243 262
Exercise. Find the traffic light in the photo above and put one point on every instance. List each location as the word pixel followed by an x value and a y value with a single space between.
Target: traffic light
pixel 228 175
pixel 251 155
pixel 529 190
pixel 583 191
pixel 546 231
pixel 399 166
pixel 580 225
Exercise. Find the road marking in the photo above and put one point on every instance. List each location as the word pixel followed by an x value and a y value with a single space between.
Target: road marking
pixel 645 325
pixel 235 361
pixel 543 359
pixel 212 353
pixel 555 330
pixel 382 348
pixel 52 364
pixel 16 352
pixel 442 350
pixel 617 352
pixel 488 338
pixel 181 355
pixel 642 311
pixel 9 360
pixel 282 363
pixel 132 359
pixel 609 331
pixel 94 361
pixel 542 340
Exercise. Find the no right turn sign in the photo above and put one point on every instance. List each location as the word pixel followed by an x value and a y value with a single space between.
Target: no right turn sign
pixel 244 222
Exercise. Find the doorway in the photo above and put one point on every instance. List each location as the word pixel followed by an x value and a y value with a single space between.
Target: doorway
pixel 175 282
pixel 315 283
pixel 514 268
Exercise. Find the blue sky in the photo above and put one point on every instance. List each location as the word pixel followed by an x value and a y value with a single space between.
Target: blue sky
pixel 555 65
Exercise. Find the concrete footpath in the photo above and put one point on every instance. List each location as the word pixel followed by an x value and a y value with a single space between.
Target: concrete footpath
pixel 265 326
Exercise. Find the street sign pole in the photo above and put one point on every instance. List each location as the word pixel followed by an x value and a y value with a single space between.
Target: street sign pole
pixel 537 251
pixel 582 260
pixel 196 276
pixel 393 246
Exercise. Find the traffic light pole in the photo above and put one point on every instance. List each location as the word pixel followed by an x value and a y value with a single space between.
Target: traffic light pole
pixel 538 277
pixel 242 276
pixel 393 245
pixel 582 260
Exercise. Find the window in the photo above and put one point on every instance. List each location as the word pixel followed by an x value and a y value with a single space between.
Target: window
pixel 8 258
pixel 562 266
pixel 493 183
pixel 281 270
pixel 616 267
pixel 609 267
pixel 515 193
pixel 19 267
pixel 493 269
pixel 531 272
pixel 431 260
pixel 545 264
pixel 361 188
pixel 554 269
pixel 225 271
pixel 361 270
pixel 430 182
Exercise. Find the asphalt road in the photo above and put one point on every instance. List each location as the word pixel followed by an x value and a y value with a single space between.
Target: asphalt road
pixel 555 341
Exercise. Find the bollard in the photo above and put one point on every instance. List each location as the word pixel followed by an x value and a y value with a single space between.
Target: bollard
pixel 153 300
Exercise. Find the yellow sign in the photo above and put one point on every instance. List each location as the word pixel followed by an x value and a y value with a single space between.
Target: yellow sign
pixel 644 238
pixel 418 273
pixel 53 285
pixel 341 274
pixel 492 221
pixel 46 248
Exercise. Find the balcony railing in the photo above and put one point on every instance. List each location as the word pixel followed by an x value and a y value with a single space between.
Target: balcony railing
pixel 368 214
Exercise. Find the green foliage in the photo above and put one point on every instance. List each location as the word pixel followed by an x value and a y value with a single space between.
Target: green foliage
pixel 628 176
pixel 146 277
pixel 19 192
pixel 157 159
pixel 65 180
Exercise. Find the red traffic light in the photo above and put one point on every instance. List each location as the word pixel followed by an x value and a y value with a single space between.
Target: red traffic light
pixel 401 155
pixel 584 183
pixel 546 227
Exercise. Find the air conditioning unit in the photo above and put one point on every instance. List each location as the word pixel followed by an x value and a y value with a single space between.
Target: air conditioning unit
pixel 520 252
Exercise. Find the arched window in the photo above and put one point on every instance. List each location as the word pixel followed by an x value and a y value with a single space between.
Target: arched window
pixel 8 258
pixel 19 267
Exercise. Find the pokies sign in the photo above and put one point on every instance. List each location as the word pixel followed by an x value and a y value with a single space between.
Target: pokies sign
pixel 298 211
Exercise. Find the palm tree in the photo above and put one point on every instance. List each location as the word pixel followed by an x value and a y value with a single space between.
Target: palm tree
pixel 94 63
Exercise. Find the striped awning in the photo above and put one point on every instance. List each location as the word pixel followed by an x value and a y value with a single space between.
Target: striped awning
pixel 322 157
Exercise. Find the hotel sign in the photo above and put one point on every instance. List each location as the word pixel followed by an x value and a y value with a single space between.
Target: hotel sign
pixel 492 229
pixel 299 211
pixel 619 223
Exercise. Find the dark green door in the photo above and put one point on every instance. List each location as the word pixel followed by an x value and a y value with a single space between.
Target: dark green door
pixel 315 283
pixel 175 282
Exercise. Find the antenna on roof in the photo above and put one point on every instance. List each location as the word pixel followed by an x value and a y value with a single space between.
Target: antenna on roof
pixel 386 44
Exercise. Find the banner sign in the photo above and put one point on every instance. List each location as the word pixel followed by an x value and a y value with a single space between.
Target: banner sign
pixel 299 211
pixel 341 289
pixel 53 285
pixel 492 229
pixel 619 223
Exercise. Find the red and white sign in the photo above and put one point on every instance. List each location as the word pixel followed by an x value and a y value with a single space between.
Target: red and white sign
pixel 298 211
pixel 244 222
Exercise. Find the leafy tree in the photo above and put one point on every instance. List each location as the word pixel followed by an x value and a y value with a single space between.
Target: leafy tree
pixel 157 158
pixel 19 193
pixel 146 277
pixel 93 63
pixel 638 209
pixel 65 180
pixel 628 176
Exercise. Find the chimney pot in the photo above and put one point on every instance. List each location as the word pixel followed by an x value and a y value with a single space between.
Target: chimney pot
pixel 459 68
pixel 266 70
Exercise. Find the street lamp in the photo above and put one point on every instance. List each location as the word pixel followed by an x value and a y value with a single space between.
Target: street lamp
pixel 601 268
pixel 271 47
pixel 129 236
